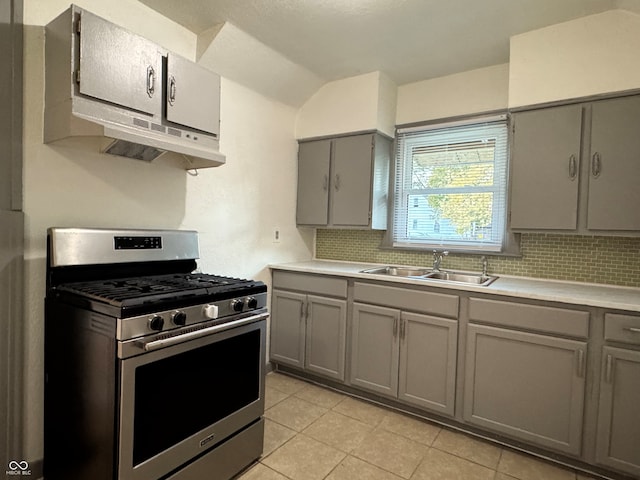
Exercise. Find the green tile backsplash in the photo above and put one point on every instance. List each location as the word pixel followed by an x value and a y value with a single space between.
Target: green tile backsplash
pixel 594 259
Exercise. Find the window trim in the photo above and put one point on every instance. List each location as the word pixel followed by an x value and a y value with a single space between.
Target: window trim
pixel 511 241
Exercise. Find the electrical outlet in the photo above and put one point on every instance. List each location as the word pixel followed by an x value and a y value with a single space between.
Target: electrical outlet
pixel 277 234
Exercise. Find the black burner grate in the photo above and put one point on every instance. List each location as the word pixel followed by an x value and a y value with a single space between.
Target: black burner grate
pixel 137 290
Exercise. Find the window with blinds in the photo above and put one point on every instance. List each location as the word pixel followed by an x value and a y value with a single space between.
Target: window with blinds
pixel 450 186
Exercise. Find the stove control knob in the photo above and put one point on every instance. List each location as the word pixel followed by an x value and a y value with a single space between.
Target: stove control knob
pixel 252 302
pixel 210 311
pixel 156 323
pixel 179 318
pixel 237 305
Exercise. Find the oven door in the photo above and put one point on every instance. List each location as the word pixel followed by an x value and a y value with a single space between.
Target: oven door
pixel 180 400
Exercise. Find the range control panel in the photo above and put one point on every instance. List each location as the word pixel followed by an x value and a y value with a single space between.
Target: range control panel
pixel 137 243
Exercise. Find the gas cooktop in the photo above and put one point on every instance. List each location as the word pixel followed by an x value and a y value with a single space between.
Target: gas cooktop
pixel 134 294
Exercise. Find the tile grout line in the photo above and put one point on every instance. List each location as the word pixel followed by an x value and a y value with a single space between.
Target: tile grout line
pixel 378 425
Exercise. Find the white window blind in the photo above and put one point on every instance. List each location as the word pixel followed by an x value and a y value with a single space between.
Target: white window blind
pixel 450 186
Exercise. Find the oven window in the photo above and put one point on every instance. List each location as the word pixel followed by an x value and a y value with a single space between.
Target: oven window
pixel 178 396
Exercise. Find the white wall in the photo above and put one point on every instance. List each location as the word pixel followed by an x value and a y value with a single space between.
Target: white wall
pixel 474 91
pixel 363 102
pixel 234 207
pixel 588 56
pixel 262 68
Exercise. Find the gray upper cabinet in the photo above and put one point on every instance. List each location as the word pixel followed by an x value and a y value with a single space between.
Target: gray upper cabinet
pixel 118 66
pixel 351 179
pixel 614 169
pixel 124 69
pixel 314 159
pixel 193 95
pixel 343 181
pixel 619 417
pixel 575 168
pixel 11 58
pixel 544 164
pixel 526 385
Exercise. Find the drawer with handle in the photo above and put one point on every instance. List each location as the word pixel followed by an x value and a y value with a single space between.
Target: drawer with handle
pixel 622 328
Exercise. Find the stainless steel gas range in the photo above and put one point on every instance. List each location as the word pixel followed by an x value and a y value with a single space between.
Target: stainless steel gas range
pixel 152 371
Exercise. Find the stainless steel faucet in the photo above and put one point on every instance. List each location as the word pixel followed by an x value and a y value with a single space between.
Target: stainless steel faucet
pixel 437 259
pixel 485 266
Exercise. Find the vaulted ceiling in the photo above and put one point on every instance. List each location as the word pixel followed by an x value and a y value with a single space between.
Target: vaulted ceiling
pixel 409 40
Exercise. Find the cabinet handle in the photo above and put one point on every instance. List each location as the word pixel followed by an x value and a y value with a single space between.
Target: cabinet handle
pixel 395 327
pixel 325 183
pixel 608 369
pixel 337 182
pixel 596 165
pixel 151 81
pixel 580 372
pixel 403 328
pixel 633 329
pixel 172 90
pixel 302 311
pixel 573 167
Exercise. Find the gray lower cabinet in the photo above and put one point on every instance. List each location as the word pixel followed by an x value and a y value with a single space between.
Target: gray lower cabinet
pixel 326 336
pixel 343 181
pixel 618 413
pixel 374 348
pixel 428 352
pixel 618 437
pixel 405 355
pixel 309 332
pixel 525 385
pixel 288 327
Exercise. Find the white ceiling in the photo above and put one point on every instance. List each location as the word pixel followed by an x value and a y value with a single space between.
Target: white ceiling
pixel 409 40
pixel 287 49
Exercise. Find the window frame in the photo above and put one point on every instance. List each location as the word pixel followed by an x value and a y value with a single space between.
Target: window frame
pixel 510 241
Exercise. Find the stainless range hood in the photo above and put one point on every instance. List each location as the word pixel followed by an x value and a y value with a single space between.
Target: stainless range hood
pixel 82 122
pixel 111 90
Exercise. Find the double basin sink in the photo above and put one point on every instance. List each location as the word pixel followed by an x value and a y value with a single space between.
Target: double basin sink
pixel 468 278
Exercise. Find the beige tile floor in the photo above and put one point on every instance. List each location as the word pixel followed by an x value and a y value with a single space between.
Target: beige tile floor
pixel 313 433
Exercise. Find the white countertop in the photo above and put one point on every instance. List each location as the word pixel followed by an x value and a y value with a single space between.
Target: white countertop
pixel 575 293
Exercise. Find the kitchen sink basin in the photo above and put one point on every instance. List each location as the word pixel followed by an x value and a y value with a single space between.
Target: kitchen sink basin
pixel 472 278
pixel 399 271
pixel 427 274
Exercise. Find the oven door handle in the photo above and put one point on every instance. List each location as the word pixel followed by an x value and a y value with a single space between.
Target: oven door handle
pixel 166 342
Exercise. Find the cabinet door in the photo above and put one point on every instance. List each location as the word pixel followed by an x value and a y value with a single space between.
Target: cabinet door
pixel 313 182
pixel 118 66
pixel 351 180
pixel 614 173
pixel 545 168
pixel 375 348
pixel 618 415
pixel 193 95
pixel 527 386
pixel 428 362
pixel 326 333
pixel 287 328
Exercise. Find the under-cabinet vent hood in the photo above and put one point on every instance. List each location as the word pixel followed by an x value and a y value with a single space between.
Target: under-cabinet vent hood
pixel 110 89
